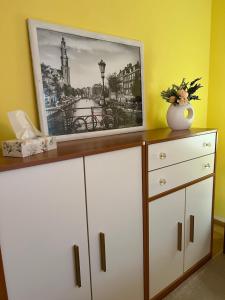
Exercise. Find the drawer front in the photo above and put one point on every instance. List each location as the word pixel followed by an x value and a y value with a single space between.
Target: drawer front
pixel 168 178
pixel 168 153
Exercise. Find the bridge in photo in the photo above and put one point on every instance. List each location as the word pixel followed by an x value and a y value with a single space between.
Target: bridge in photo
pixel 86 114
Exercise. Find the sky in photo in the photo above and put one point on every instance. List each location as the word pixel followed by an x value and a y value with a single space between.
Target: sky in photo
pixel 84 54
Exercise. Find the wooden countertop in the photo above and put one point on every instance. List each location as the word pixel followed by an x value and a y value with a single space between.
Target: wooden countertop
pixel 84 147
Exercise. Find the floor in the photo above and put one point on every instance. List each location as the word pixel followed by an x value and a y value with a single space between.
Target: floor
pixel 209 282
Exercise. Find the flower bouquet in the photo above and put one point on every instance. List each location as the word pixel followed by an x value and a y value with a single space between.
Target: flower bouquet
pixel 183 93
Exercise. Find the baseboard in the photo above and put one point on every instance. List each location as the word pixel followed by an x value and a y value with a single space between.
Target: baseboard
pixel 219 220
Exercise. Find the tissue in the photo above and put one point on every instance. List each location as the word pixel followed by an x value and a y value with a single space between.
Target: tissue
pixel 22 125
pixel 29 140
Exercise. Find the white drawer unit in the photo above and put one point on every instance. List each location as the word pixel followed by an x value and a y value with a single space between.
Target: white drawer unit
pixel 180 178
pixel 164 179
pixel 168 153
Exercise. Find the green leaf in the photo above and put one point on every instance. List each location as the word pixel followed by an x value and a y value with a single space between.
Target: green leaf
pixel 194 81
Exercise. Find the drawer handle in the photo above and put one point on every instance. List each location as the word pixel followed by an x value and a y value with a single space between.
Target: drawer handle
pixel 162 181
pixel 207 166
pixel 77 265
pixel 162 155
pixel 206 144
pixel 179 236
pixel 102 251
pixel 192 228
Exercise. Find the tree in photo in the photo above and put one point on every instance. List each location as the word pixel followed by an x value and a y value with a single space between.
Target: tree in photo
pixel 114 84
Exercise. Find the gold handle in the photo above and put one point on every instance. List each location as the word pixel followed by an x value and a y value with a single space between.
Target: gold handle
pixel 77 265
pixel 207 166
pixel 162 155
pixel 179 237
pixel 192 228
pixel 102 251
pixel 207 144
pixel 162 181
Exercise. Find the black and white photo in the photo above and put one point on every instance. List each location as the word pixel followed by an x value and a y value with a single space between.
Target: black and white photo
pixel 87 84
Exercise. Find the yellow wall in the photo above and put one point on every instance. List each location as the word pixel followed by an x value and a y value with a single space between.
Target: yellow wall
pixel 216 105
pixel 176 35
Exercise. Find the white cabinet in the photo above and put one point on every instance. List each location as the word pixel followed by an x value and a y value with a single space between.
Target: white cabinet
pixel 42 217
pixel 166 227
pixel 49 212
pixel 114 201
pixel 198 218
pixel 191 207
pixel 93 206
pixel 180 191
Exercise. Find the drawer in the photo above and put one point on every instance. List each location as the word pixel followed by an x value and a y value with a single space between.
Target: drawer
pixel 168 153
pixel 168 178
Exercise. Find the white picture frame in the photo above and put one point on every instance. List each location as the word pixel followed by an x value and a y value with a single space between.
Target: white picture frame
pixel 115 111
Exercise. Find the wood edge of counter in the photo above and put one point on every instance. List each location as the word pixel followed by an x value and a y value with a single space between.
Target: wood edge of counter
pixel 180 134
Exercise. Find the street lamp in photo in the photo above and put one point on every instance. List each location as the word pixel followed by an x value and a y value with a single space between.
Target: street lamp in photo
pixel 102 65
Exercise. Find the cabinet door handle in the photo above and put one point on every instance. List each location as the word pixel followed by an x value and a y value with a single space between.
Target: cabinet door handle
pixel 192 228
pixel 179 236
pixel 102 251
pixel 77 265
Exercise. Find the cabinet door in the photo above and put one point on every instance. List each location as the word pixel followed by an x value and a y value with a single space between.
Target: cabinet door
pixel 114 201
pixel 42 216
pixel 166 240
pixel 198 220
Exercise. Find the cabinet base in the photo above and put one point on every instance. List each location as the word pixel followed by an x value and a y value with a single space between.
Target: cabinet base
pixel 178 281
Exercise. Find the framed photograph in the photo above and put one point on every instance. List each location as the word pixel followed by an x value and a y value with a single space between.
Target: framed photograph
pixel 87 84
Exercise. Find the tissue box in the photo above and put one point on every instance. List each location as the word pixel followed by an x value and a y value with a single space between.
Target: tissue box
pixel 23 148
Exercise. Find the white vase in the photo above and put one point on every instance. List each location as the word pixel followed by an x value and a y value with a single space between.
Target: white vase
pixel 176 118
